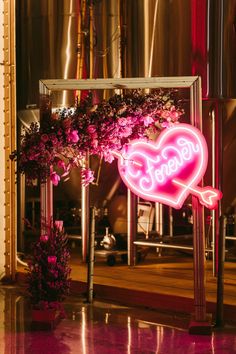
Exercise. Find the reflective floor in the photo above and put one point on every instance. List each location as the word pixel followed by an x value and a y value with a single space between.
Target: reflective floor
pixel 103 328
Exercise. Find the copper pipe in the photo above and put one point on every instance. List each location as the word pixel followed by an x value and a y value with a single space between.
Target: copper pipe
pixel 80 45
pixel 104 31
pixel 91 40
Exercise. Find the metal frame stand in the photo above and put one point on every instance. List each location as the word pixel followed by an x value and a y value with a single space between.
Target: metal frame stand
pixel 90 269
pixel 46 189
pixel 131 227
pixel 46 204
pixel 200 324
pixel 85 211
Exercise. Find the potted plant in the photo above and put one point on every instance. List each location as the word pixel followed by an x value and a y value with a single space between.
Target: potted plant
pixel 48 273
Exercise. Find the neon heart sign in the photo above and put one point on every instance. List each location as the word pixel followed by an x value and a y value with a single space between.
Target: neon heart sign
pixel 169 169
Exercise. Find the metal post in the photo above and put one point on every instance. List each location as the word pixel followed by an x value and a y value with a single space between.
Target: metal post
pixel 161 220
pixel 199 262
pixel 170 222
pixel 21 211
pixel 216 179
pixel 85 214
pixel 46 199
pixel 46 189
pixel 213 173
pixel 157 218
pixel 199 323
pixel 159 223
pixel 220 277
pixel 132 226
pixel 91 257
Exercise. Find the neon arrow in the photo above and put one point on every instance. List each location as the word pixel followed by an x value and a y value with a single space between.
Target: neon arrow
pixel 208 196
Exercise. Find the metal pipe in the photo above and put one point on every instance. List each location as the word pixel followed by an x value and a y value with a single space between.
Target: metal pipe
pixel 132 226
pixel 221 46
pixel 220 277
pixel 230 238
pixel 91 40
pixel 165 245
pixel 161 219
pixel 170 222
pixel 157 218
pixel 21 212
pixel 85 209
pixel 91 257
pixel 85 214
pixel 46 189
pixel 80 45
pixel 46 204
pixel 153 39
pixel 199 261
pixel 213 173
pixel 162 245
pixel 198 217
pixel 25 264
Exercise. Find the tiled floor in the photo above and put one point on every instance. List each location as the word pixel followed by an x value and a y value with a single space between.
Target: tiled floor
pixel 164 282
pixel 103 328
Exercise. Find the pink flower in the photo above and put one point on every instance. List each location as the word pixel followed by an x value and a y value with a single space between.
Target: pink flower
pixel 61 164
pixel 126 132
pixel 54 273
pixel 165 114
pixel 67 123
pixel 91 129
pixel 174 115
pixel 44 138
pixel 73 136
pixel 53 138
pixel 44 238
pixel 52 260
pixel 164 124
pixel 59 225
pixel 87 176
pixel 147 120
pixel 55 178
pixel 122 122
pixel 108 157
pixel 94 143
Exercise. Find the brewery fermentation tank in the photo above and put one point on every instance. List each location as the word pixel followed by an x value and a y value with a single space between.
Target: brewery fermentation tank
pixel 135 38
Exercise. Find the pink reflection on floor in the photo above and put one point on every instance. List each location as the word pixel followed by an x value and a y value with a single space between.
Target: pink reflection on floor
pixel 108 329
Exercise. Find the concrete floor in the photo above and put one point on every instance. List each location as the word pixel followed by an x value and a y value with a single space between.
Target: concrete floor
pixel 103 328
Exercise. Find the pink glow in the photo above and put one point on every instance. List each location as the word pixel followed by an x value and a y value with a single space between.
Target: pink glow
pixel 168 170
pixel 208 196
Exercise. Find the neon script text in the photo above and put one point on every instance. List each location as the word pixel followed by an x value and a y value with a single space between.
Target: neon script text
pixel 168 170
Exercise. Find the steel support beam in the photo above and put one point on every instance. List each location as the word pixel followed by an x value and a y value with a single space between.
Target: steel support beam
pixel 199 323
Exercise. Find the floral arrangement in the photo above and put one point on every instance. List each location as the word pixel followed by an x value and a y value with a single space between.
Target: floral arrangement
pixel 69 134
pixel 48 270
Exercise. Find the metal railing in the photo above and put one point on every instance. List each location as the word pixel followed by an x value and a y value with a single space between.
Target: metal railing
pixel 166 245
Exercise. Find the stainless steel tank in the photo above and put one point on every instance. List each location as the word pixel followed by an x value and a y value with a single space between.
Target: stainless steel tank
pixel 134 38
